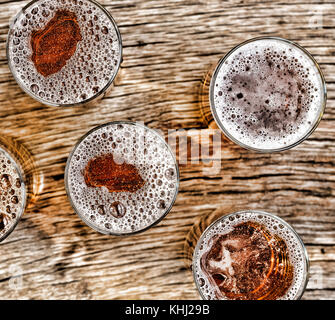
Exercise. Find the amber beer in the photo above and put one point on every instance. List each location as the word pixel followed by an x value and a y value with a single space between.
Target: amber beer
pixel 250 255
pixel 64 53
pixel 121 178
pixel 267 94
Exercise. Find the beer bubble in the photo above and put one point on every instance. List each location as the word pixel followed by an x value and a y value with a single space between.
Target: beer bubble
pixel 34 88
pixel 201 282
pixel 117 209
pixel 161 204
pixel 104 30
pixel 101 209
pixel 170 173
pixel 5 181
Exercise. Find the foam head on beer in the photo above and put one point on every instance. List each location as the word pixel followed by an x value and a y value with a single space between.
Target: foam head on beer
pixel 12 192
pixel 64 52
pixel 122 178
pixel 250 256
pixel 267 94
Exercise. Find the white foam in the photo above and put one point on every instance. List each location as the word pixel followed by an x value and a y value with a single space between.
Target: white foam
pixel 256 94
pixel 87 72
pixel 275 226
pixel 136 145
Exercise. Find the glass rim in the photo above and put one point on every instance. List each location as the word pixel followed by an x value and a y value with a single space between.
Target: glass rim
pixel 304 283
pixel 226 132
pixel 47 102
pixel 24 195
pixel 82 217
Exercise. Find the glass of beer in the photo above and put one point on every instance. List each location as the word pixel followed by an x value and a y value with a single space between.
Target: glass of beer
pixel 13 191
pixel 64 53
pixel 121 178
pixel 250 255
pixel 267 94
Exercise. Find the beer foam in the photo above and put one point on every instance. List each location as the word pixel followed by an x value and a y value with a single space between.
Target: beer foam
pixel 124 212
pixel 275 226
pixel 88 72
pixel 268 94
pixel 12 194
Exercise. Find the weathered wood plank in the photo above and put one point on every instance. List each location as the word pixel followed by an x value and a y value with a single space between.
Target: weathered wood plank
pixel 168 47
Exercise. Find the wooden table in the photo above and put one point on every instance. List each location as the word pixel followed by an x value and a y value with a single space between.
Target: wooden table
pixel 168 47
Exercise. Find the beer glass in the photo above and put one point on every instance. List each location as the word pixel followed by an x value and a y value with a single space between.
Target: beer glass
pixel 267 94
pixel 121 178
pixel 250 255
pixel 64 53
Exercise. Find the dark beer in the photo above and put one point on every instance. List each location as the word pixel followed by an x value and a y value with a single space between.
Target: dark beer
pixel 250 255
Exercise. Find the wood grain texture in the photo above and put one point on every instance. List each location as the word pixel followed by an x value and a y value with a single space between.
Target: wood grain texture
pixel 168 46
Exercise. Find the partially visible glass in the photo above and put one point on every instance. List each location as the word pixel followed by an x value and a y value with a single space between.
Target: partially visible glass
pixel 250 255
pixel 122 178
pixel 64 53
pixel 12 192
pixel 20 183
pixel 267 94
